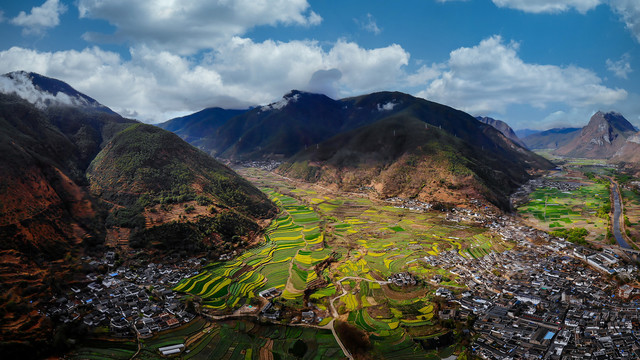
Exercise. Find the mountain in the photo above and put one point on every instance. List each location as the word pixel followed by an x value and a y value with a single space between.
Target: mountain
pixel 167 191
pixel 604 135
pixel 75 176
pixel 44 92
pixel 302 120
pixel 629 152
pixel 503 127
pixel 46 212
pixel 418 149
pixel 199 128
pixel 522 133
pixel 281 129
pixel 550 139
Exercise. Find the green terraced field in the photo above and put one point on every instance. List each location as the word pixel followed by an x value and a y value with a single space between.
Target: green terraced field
pixel 369 241
pixel 285 261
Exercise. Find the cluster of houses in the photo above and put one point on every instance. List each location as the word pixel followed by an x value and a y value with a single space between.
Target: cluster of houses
pixel 411 204
pixel 270 293
pixel 402 279
pixel 126 300
pixel 268 165
pixel 546 299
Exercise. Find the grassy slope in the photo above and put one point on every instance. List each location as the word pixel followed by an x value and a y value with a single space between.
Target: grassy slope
pixel 144 166
pixel 401 155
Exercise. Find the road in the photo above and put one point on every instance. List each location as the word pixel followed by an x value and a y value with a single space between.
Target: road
pixel 617 217
pixel 334 312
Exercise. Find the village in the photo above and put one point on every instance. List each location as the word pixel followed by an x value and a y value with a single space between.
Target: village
pixel 128 302
pixel 545 300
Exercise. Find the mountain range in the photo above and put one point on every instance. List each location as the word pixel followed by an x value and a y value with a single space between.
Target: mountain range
pixel 76 176
pixel 367 142
pixel 550 139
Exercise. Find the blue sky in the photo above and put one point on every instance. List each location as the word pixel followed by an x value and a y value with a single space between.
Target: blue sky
pixel 533 63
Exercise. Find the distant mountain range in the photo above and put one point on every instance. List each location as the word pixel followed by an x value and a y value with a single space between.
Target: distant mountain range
pixel 199 129
pixel 522 133
pixel 550 139
pixel 367 142
pixel 75 175
pixel 602 138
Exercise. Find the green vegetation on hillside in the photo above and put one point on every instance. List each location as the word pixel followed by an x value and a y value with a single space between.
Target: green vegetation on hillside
pixel 145 168
pixel 410 158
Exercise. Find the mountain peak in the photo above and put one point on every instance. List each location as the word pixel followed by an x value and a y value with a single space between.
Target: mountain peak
pixel 44 92
pixel 603 136
pixel 503 127
pixel 611 119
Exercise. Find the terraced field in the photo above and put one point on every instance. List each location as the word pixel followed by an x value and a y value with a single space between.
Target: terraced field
pixel 373 241
pixel 294 245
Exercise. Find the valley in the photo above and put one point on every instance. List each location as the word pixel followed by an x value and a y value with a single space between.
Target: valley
pixel 407 283
pixel 378 226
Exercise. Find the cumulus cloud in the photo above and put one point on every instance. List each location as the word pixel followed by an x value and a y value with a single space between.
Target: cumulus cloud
pixel 157 85
pixel 620 68
pixel 490 76
pixel 369 24
pixel 188 26
pixel 424 74
pixel 573 117
pixel 549 6
pixel 325 82
pixel 629 12
pixel 41 17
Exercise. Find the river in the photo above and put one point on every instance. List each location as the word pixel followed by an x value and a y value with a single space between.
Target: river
pixel 617 215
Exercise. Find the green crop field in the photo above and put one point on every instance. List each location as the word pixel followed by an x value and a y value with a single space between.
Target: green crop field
pixel 233 340
pixel 553 209
pixel 285 261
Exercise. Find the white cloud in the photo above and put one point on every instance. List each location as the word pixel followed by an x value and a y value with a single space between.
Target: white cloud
pixel 188 26
pixel 629 12
pixel 41 17
pixel 573 117
pixel 369 24
pixel 21 85
pixel 156 85
pixel 620 68
pixel 424 75
pixel 549 6
pixel 491 76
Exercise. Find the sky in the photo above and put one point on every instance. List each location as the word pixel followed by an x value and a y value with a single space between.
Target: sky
pixel 533 63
